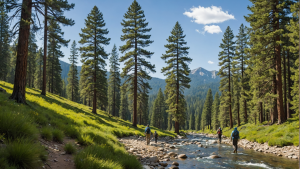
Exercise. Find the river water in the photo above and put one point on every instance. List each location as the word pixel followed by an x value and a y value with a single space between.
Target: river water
pixel 245 158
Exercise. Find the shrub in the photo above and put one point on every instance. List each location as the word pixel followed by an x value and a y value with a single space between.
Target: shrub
pixel 23 154
pixel 70 148
pixel 58 135
pixel 46 133
pixel 17 125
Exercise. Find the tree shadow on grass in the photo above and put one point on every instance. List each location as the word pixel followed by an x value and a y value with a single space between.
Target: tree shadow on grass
pixel 101 118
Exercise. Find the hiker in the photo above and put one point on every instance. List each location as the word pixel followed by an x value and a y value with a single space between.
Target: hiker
pixel 148 134
pixel 155 136
pixel 219 132
pixel 235 135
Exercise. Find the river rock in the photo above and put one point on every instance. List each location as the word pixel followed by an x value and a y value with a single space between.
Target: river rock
pixel 173 167
pixel 160 149
pixel 161 167
pixel 200 145
pixel 175 163
pixel 182 156
pixel 172 154
pixel 153 159
pixel 171 146
pixel 164 164
pixel 214 156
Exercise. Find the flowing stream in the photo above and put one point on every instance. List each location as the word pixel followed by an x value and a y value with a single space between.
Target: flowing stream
pixel 245 158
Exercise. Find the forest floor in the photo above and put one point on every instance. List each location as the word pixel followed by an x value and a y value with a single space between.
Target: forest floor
pixel 31 135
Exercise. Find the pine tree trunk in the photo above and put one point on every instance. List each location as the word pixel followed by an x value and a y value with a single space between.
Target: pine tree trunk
pixel 274 114
pixel 134 121
pixel 289 86
pixel 238 113
pixel 177 93
pixel 281 115
pixel 95 67
pixel 260 112
pixel 22 54
pixel 113 114
pixel 52 65
pixel 45 54
pixel 284 87
pixel 229 89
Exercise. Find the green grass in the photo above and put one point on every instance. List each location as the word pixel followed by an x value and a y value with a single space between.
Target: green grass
pixel 64 117
pixel 46 133
pixel 70 148
pixel 58 135
pixel 22 153
pixel 275 135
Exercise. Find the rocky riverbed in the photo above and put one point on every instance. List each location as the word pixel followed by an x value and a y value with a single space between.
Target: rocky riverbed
pixel 202 150
pixel 291 152
pixel 157 155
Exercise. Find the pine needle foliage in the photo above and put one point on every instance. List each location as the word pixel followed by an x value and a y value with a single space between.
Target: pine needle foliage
pixel 73 83
pixel 177 72
pixel 136 66
pixel 93 73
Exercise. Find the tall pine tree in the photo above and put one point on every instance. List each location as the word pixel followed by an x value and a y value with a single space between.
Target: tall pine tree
pixel 135 70
pixel 207 111
pixel 177 72
pixel 72 89
pixel 4 43
pixel 93 54
pixel 114 83
pixel 225 57
pixel 215 112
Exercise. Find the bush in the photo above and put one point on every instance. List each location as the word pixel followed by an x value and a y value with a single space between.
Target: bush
pixel 23 154
pixel 70 148
pixel 58 135
pixel 17 125
pixel 46 133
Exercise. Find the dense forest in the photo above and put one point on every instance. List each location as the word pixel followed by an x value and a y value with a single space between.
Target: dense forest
pixel 259 67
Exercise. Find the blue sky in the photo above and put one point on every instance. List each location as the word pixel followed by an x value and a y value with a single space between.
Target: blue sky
pixel 201 21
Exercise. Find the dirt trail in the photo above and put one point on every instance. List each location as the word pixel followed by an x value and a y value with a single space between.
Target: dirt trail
pixel 57 157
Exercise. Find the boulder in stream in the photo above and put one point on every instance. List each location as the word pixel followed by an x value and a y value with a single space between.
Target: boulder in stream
pixel 214 156
pixel 182 156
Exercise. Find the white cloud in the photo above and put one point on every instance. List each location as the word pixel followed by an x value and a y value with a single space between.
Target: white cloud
pixel 209 15
pixel 210 62
pixel 212 29
pixel 198 31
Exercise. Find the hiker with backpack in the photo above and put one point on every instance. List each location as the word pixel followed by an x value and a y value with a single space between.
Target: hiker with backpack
pixel 219 132
pixel 155 136
pixel 235 135
pixel 148 134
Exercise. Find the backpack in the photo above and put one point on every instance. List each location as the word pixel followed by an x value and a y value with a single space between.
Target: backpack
pixel 148 130
pixel 155 134
pixel 219 131
pixel 235 134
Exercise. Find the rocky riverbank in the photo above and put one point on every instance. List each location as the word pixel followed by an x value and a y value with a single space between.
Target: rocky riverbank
pixel 291 152
pixel 157 155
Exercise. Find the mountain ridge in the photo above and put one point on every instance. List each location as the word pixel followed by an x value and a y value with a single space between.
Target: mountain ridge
pixel 200 77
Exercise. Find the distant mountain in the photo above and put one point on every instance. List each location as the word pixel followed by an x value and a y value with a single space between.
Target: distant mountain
pixel 201 80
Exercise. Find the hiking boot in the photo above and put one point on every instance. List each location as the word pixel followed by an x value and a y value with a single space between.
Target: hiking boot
pixel 234 151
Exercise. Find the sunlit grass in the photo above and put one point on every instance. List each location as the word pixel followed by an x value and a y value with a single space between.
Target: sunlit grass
pixel 58 117
pixel 275 135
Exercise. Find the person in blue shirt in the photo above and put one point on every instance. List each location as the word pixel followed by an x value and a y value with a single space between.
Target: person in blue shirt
pixel 235 135
pixel 148 134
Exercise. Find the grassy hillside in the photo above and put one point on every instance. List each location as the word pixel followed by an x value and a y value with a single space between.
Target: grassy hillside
pixel 275 135
pixel 53 118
